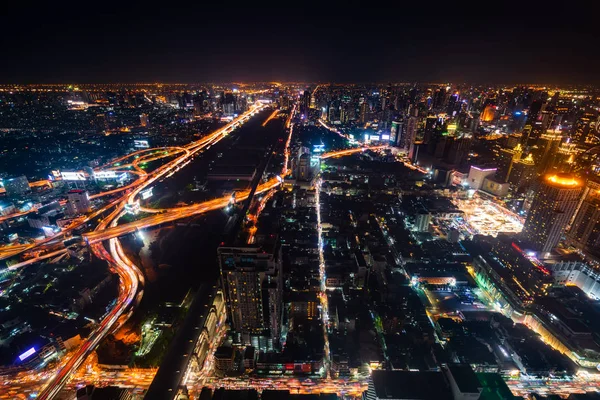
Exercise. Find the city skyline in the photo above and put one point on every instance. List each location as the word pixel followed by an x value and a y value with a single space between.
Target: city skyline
pixel 268 240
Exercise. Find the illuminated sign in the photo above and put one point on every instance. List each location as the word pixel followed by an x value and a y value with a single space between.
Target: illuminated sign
pixel 318 148
pixel 385 137
pixel 132 208
pixel 142 144
pixel 28 353
pixel 146 194
pixel 105 174
pixel 56 173
pixel 73 176
pixel 374 137
pixel 122 177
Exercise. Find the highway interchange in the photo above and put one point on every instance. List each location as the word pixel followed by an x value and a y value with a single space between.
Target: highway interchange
pixel 132 280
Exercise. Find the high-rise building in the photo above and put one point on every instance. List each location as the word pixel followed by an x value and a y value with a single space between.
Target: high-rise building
pixel 546 149
pixel 364 112
pixel 506 159
pixel 489 113
pixel 591 189
pixel 252 282
pixel 407 140
pixel 304 172
pixel 522 172
pixel 79 202
pixel 305 105
pixel 458 150
pixel 16 186
pixel 585 229
pixel 552 207
pixel 396 133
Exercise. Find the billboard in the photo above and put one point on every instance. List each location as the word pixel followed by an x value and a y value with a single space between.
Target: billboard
pixel 374 138
pixel 385 137
pixel 105 175
pixel 318 148
pixel 27 354
pixel 73 176
pixel 395 132
pixel 142 144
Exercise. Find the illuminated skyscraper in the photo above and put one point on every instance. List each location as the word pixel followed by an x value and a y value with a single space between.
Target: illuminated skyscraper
pixel 552 207
pixel 489 113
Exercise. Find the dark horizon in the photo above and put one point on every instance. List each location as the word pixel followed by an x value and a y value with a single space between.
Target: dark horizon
pixel 348 43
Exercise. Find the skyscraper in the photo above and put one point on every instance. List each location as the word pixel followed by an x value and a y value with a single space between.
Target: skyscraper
pixel 506 159
pixel 251 280
pixel 407 140
pixel 522 172
pixel 552 207
pixel 585 230
pixel 545 150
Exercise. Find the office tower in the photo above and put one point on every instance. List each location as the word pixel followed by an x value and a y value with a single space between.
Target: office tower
pixel 332 114
pixel 581 131
pixel 439 99
pixel 343 114
pixel 305 106
pixel 228 104
pixel 458 150
pixel 552 207
pixel 430 128
pixel 79 202
pixel 546 149
pixel 144 120
pixel 506 159
pixel 252 283
pixel 396 133
pixel 16 186
pixel 407 139
pixel 489 113
pixel 585 229
pixel 522 172
pixel 592 188
pixel 303 172
pixel 364 112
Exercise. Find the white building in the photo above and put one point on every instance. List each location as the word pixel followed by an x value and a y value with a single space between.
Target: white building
pixel 477 175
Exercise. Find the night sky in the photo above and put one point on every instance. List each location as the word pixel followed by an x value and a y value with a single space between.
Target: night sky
pixel 89 41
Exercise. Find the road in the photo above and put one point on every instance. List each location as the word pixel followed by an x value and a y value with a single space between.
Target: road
pixel 129 274
pixel 166 215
